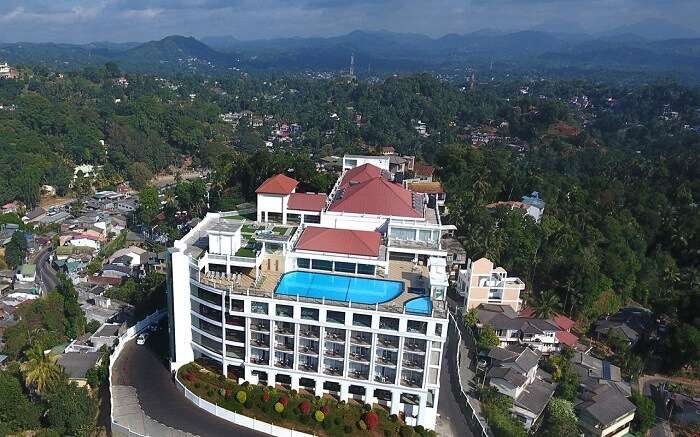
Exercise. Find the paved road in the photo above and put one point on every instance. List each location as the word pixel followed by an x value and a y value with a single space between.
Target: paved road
pixel 141 368
pixel 44 271
pixel 452 420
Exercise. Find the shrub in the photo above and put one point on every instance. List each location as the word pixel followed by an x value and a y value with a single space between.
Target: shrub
pixel 305 407
pixel 371 419
pixel 366 407
pixel 319 416
pixel 406 431
pixel 325 410
pixel 293 393
pixel 284 401
pixel 326 425
pixel 241 396
pixel 248 404
pixel 394 418
pixel 362 425
pixel 347 429
pixel 190 377
pixel 279 407
pixel 227 393
pixel 266 397
pixel 197 385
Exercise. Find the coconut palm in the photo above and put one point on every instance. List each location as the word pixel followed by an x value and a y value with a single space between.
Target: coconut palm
pixel 546 305
pixel 40 370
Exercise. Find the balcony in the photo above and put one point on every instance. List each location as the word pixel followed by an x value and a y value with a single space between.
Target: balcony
pixel 361 339
pixel 359 357
pixel 284 329
pixel 308 350
pixel 309 331
pixel 257 359
pixel 358 374
pixel 283 346
pixel 385 379
pixel 413 364
pixel 415 346
pixel 284 364
pixel 385 342
pixel 334 353
pixel 386 361
pixel 308 366
pixel 412 379
pixel 337 336
pixel 260 327
pixel 333 371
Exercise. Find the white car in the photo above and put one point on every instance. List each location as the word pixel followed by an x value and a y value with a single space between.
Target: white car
pixel 141 339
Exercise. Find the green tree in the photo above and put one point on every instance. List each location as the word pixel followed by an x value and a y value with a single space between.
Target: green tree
pixel 41 370
pixel 75 317
pixel 72 410
pixel 17 413
pixel 139 175
pixel 15 249
pixel 546 305
pixel 560 419
pixel 471 318
pixel 148 204
pixel 487 338
pixel 645 416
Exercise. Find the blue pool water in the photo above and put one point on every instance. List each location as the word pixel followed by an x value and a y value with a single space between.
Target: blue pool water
pixel 419 305
pixel 337 287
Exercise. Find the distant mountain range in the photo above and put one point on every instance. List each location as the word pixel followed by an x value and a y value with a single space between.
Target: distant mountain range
pixel 383 52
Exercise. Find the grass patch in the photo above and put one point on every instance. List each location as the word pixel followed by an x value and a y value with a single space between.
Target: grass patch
pixel 299 411
pixel 277 230
pixel 246 252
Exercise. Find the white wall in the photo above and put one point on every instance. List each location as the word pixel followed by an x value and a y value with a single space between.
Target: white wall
pixel 377 161
pixel 181 310
pixel 352 221
pixel 271 203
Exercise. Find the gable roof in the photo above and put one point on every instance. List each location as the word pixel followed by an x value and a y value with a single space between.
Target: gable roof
pixel 306 201
pixel 77 364
pixel 423 169
pixel 607 406
pixel 317 239
pixel 378 196
pixel 278 184
pixel 362 173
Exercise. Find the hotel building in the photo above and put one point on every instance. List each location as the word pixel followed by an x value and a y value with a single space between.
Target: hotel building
pixel 340 294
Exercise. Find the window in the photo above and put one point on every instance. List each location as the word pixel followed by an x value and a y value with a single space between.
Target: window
pixel 426 235
pixel 438 329
pixel 389 323
pixel 344 267
pixel 335 317
pixel 285 310
pixel 309 313
pixel 403 234
pixel 205 326
pixel 435 358
pixel 352 163
pixel 236 305
pixel 318 264
pixel 303 263
pixel 365 269
pixel 259 307
pixel 206 342
pixel 362 320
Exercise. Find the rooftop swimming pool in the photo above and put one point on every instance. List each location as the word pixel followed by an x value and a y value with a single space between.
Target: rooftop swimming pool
pixel 419 305
pixel 338 287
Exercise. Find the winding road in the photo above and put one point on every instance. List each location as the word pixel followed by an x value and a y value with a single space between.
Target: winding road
pixel 44 271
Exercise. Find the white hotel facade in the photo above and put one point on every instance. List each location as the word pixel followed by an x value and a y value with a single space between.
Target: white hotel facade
pixel 340 294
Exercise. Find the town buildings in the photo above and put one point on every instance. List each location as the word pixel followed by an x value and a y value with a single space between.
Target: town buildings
pixel 482 283
pixel 340 293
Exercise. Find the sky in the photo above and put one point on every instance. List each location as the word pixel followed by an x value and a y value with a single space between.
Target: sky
pixel 81 21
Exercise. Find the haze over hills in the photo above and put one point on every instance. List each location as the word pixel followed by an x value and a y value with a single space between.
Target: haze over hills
pixel 377 51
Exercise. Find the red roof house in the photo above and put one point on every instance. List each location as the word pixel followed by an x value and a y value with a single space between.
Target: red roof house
pixel 345 241
pixel 306 201
pixel 377 196
pixel 363 173
pixel 278 184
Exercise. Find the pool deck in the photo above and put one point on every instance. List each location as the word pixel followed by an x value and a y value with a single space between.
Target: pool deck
pixel 414 277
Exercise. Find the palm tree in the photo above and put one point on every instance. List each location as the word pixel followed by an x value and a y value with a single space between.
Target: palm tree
pixel 40 370
pixel 546 304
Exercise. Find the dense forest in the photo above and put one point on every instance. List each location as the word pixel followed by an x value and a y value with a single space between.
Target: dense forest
pixel 621 182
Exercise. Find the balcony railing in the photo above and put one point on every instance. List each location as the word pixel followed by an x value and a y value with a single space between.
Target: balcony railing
pixel 333 371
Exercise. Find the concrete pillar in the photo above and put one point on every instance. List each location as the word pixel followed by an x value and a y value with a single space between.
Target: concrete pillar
pixel 319 388
pixel 295 382
pixel 344 394
pixel 395 406
pixel 422 409
pixel 266 216
pixel 271 378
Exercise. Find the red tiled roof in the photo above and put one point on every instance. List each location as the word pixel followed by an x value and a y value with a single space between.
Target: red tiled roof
pixel 560 320
pixel 563 322
pixel 317 239
pixel 376 196
pixel 567 338
pixel 423 169
pixel 360 174
pixel 306 201
pixel 277 184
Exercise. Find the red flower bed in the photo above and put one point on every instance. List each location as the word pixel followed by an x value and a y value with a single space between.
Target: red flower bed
pixel 372 420
pixel 266 397
pixel 305 408
pixel 284 401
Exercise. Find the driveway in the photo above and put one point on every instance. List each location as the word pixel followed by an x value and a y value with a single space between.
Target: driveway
pixel 140 367
pixel 452 420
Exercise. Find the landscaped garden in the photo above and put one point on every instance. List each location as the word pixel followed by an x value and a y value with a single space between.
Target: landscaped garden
pixel 291 409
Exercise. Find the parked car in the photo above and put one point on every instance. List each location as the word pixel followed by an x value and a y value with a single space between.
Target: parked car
pixel 141 339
